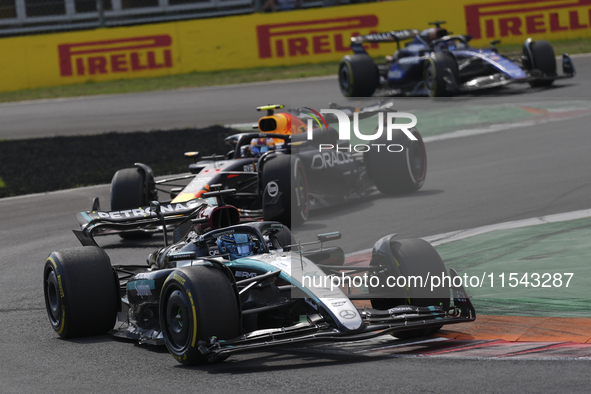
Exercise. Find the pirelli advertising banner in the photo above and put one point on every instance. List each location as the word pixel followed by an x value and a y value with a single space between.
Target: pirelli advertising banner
pixel 259 40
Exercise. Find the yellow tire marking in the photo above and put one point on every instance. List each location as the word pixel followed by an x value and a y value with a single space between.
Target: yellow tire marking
pixel 407 288
pixel 62 295
pixel 194 319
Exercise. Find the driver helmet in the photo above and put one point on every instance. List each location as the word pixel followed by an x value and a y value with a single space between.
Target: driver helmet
pixel 245 151
pixel 258 146
pixel 434 33
pixel 236 245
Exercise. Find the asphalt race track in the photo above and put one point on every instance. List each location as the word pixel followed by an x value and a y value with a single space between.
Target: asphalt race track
pixel 203 107
pixel 472 181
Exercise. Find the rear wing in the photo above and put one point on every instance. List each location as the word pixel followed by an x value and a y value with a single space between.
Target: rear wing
pixel 139 214
pixel 391 36
pixel 157 217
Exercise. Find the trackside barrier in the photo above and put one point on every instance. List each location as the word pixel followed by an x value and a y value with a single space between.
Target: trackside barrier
pixel 259 40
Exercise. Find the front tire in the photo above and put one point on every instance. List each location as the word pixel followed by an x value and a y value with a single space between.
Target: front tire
pixel 358 76
pixel 398 172
pixel 196 304
pixel 540 56
pixel 434 73
pixel 411 258
pixel 81 292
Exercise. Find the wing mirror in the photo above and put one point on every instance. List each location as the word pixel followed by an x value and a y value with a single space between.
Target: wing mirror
pixel 329 236
pixel 193 155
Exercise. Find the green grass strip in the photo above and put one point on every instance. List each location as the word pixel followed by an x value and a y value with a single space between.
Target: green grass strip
pixel 549 250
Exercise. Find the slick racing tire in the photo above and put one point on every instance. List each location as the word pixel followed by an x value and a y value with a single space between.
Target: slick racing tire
pixel 196 304
pixel 358 76
pixel 398 172
pixel 285 190
pixel 542 59
pixel 81 292
pixel 128 191
pixel 434 73
pixel 412 258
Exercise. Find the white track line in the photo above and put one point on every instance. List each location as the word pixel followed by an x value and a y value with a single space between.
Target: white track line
pixel 451 236
pixel 499 127
pixel 461 234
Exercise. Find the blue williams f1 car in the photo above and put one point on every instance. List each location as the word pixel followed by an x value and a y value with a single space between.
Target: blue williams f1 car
pixel 222 287
pixel 435 63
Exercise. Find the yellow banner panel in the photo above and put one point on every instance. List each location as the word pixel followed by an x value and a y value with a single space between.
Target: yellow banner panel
pixel 272 39
pixel 514 21
pixel 307 36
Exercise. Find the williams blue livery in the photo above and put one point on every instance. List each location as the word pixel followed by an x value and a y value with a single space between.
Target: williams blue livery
pixel 435 63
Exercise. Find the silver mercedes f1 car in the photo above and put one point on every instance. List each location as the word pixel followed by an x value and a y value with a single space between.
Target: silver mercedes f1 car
pixel 221 287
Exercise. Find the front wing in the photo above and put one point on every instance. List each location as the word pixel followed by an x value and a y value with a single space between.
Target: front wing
pixel 502 79
pixel 375 323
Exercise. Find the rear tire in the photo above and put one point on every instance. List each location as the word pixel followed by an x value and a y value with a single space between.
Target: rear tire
pixel 81 292
pixel 128 191
pixel 398 172
pixel 413 257
pixel 542 58
pixel 285 174
pixel 358 76
pixel 197 303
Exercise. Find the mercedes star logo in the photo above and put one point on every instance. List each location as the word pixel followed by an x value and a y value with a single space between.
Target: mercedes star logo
pixel 348 314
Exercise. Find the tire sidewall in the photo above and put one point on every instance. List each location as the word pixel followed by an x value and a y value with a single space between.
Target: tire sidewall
pixel 58 324
pixel 346 66
pixel 299 209
pixel 188 353
pixel 438 62
pixel 416 148
pixel 431 66
pixel 212 309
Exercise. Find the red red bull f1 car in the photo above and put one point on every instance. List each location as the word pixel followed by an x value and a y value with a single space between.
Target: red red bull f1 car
pixel 280 174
